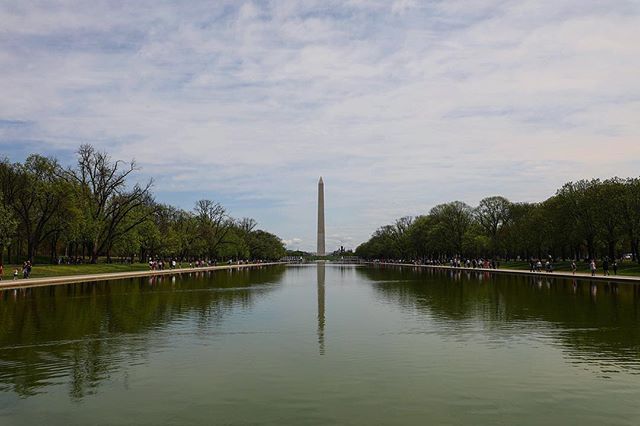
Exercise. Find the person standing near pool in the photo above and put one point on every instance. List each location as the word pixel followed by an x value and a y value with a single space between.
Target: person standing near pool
pixel 605 266
pixel 573 267
pixel 593 267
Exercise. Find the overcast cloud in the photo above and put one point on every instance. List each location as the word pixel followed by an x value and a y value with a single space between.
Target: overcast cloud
pixel 399 105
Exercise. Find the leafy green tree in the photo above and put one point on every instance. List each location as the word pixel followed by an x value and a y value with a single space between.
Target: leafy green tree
pixel 583 218
pixel 382 245
pixel 265 246
pixel 398 232
pixel 492 215
pixel 8 227
pixel 609 196
pixel 186 231
pixel 630 214
pixel 418 234
pixel 37 197
pixel 452 222
pixel 579 200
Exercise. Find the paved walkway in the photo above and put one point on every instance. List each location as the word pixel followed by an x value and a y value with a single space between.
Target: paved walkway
pixel 561 274
pixel 68 279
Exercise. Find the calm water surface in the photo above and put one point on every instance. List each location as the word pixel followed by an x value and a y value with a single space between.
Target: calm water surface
pixel 325 344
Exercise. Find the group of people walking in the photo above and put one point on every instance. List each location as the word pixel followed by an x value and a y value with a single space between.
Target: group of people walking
pixel 26 270
pixel 536 265
pixel 605 267
pixel 456 262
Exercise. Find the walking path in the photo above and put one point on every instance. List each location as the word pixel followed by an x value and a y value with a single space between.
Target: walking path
pixel 561 274
pixel 68 279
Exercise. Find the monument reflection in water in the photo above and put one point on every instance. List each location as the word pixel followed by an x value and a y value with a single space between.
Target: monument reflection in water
pixel 399 346
pixel 320 277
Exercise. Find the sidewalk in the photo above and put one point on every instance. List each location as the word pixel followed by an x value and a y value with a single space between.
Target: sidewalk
pixel 68 279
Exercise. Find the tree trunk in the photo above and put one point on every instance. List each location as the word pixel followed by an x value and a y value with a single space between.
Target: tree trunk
pixel 612 250
pixel 590 249
pixel 94 252
pixel 30 249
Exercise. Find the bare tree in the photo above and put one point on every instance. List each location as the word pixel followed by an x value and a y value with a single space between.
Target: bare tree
pixel 214 224
pixel 246 225
pixel 111 210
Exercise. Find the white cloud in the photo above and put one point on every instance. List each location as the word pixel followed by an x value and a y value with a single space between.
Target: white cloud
pixel 293 243
pixel 398 105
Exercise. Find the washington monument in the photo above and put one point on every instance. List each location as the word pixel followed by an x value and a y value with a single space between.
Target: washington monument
pixel 321 250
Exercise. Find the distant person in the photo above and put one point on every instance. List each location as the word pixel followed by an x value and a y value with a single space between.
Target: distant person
pixel 1 272
pixel 615 267
pixel 573 267
pixel 15 274
pixel 531 265
pixel 592 265
pixel 605 267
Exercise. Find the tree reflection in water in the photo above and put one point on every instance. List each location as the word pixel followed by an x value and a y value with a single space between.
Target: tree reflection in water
pixel 80 333
pixel 594 322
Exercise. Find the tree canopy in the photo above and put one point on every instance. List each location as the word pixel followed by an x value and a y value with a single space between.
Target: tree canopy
pixel 584 219
pixel 93 209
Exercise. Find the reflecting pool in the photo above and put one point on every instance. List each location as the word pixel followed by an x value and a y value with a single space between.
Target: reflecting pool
pixel 322 344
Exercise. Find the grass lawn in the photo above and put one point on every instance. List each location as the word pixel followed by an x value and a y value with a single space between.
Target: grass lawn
pixel 47 270
pixel 624 268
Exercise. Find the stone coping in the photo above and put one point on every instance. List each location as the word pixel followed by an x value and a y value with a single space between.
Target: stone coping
pixel 69 279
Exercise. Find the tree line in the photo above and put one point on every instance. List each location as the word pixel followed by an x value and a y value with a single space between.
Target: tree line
pixel 91 210
pixel 587 219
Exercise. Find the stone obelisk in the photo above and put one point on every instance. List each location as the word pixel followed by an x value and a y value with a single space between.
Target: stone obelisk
pixel 321 250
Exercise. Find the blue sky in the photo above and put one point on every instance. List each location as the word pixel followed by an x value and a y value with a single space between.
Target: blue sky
pixel 399 105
